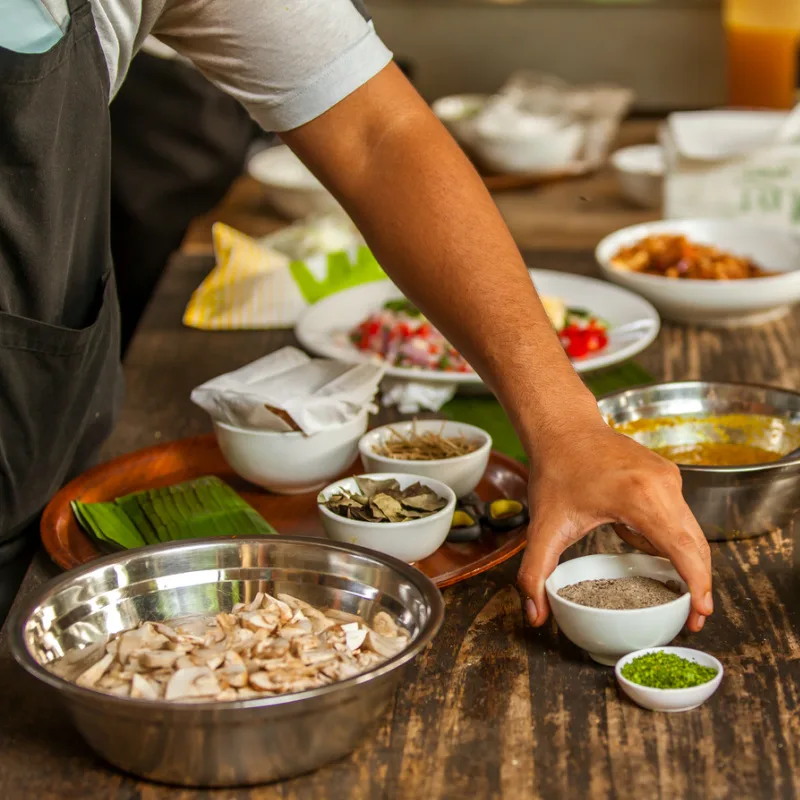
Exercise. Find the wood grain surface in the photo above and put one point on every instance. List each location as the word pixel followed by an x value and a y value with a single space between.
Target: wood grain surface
pixel 493 709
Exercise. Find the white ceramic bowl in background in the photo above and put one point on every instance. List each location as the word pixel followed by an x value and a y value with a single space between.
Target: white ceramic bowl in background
pixel 715 303
pixel 670 700
pixel 291 463
pixel 288 184
pixel 408 541
pixel 640 174
pixel 511 152
pixel 462 473
pixel 457 111
pixel 607 634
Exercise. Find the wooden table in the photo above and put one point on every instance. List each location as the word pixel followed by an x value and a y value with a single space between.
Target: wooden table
pixel 493 709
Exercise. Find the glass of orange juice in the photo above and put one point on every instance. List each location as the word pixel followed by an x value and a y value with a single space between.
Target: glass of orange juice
pixel 762 41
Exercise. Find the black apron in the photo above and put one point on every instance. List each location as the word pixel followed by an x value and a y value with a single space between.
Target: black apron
pixel 59 337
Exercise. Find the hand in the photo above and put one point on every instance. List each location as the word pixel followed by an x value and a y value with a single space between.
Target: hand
pixel 597 477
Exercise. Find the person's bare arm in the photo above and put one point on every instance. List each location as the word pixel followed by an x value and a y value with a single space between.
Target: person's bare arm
pixel 433 226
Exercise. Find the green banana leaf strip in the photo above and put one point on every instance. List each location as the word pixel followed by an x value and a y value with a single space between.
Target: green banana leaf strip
pixel 195 509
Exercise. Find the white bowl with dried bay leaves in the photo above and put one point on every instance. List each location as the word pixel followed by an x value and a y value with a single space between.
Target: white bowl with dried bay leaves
pixel 405 516
pixel 227 662
pixel 451 452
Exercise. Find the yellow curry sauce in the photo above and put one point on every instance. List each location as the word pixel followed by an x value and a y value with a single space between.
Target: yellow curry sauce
pixel 730 440
pixel 717 454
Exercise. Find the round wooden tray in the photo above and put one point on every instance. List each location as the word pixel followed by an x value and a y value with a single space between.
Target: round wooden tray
pixel 294 515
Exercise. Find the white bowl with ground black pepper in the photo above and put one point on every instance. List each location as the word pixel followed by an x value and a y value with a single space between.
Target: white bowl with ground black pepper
pixel 451 452
pixel 612 605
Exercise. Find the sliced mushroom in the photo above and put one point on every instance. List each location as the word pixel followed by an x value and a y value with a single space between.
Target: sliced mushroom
pixel 354 634
pixel 272 648
pixel 318 657
pixel 165 630
pixel 343 616
pixel 157 659
pixel 261 681
pixel 384 625
pixel 257 602
pixel 300 644
pixel 295 629
pixel 90 677
pixel 386 646
pixel 233 672
pixel 192 682
pixel 144 638
pixel 143 688
pixel 260 620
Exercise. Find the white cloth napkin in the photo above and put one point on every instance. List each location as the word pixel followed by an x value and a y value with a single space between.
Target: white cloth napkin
pixel 316 394
pixel 410 397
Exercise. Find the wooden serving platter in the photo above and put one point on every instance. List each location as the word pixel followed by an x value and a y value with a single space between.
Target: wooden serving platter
pixel 293 515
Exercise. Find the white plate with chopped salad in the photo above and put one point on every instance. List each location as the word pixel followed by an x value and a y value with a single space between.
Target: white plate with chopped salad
pixel 599 324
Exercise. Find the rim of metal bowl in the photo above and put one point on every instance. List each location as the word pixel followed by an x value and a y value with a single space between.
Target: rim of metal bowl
pixel 427 633
pixel 745 469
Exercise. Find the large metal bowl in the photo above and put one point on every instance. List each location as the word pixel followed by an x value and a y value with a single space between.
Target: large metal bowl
pixel 728 502
pixel 237 743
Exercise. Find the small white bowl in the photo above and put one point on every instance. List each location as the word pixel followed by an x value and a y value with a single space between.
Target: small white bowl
pixel 608 634
pixel 291 463
pixel 714 303
pixel 288 185
pixel 462 473
pixel 540 153
pixel 409 541
pixel 640 174
pixel 456 113
pixel 671 700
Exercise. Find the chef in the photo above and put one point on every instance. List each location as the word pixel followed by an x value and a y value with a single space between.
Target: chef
pixel 317 73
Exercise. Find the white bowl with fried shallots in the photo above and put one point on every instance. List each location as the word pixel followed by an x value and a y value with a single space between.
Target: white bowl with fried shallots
pixel 709 302
pixel 462 473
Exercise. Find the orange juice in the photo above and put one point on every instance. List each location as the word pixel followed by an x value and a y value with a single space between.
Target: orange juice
pixel 762 67
pixel 762 38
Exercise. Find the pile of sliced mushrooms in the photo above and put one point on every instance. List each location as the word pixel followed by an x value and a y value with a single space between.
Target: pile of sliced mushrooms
pixel 271 646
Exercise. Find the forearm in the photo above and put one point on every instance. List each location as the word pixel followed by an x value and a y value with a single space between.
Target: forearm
pixel 433 226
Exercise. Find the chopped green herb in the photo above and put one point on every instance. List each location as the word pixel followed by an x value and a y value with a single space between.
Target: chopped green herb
pixel 660 670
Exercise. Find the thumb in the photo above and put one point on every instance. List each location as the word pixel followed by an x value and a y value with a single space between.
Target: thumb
pixel 540 559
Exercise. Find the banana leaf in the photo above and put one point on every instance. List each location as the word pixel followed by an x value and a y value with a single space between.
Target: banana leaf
pixel 192 510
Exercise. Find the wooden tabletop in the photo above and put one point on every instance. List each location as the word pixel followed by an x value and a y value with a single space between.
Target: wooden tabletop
pixel 493 709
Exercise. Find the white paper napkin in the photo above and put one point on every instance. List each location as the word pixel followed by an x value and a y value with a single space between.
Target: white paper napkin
pixel 315 393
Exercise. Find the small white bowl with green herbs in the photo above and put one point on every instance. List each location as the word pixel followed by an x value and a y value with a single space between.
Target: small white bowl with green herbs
pixel 670 679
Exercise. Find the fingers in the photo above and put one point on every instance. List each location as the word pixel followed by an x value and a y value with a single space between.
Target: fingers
pixel 635 539
pixel 540 559
pixel 679 538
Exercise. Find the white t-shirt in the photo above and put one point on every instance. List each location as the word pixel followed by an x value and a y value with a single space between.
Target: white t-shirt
pixel 286 61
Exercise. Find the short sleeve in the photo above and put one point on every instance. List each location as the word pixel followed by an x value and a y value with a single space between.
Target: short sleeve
pixel 286 62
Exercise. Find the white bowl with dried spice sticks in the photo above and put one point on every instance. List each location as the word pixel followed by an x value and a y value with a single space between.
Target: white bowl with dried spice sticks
pixel 451 452
pixel 409 539
pixel 608 633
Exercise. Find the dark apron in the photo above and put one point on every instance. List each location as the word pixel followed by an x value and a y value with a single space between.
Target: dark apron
pixel 59 337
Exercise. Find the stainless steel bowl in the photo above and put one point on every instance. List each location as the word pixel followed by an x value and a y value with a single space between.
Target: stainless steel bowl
pixel 224 744
pixel 728 502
